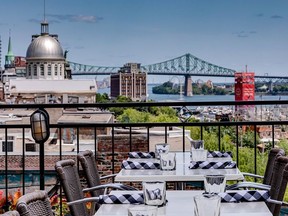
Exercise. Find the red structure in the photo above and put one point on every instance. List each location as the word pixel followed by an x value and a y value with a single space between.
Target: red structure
pixel 244 86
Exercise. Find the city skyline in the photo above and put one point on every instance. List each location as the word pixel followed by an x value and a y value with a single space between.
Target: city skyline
pixel 227 33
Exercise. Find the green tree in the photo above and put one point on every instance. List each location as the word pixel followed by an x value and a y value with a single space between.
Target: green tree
pixel 130 115
pixel 102 98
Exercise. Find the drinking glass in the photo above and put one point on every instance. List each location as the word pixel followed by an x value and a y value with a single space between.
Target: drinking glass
pixel 197 144
pixel 168 161
pixel 154 193
pixel 161 148
pixel 207 205
pixel 214 183
pixel 198 155
pixel 143 211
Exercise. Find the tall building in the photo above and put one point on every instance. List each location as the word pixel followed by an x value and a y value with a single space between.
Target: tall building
pixel 244 86
pixel 129 82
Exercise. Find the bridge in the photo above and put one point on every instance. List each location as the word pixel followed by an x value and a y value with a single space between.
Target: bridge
pixel 186 65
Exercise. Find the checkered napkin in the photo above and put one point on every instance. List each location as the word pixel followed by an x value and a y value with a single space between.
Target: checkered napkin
pixel 135 198
pixel 217 154
pixel 212 165
pixel 141 155
pixel 139 165
pixel 244 196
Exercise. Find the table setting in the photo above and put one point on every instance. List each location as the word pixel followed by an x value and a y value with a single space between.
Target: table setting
pixel 166 165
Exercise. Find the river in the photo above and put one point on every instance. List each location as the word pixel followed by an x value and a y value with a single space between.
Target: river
pixel 170 97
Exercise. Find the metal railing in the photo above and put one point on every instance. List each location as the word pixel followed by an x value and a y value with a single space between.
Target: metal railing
pixel 24 129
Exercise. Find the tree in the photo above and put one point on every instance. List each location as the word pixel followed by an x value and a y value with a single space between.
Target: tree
pixel 133 116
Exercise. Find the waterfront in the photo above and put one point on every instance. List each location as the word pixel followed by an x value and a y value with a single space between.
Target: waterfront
pixel 170 97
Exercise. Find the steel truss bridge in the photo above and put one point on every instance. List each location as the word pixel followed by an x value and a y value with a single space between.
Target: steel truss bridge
pixel 185 65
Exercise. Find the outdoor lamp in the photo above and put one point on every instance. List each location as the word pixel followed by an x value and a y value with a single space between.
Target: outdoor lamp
pixel 39 121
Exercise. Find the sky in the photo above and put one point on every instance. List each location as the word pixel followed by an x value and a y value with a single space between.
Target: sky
pixel 227 33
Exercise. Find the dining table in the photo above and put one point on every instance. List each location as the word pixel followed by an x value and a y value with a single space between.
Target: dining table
pixel 181 203
pixel 182 172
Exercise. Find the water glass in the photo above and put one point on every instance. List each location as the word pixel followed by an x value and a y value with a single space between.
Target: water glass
pixel 161 148
pixel 207 205
pixel 214 183
pixel 154 193
pixel 197 144
pixel 168 161
pixel 198 155
pixel 143 211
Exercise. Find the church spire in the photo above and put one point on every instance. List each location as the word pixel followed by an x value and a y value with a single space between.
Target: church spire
pixel 9 58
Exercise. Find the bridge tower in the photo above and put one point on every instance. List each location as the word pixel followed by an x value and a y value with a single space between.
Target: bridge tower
pixel 188 86
pixel 270 86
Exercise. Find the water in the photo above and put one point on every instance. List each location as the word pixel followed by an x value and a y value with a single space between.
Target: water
pixel 197 98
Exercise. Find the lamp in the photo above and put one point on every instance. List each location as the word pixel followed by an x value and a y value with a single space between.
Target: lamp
pixel 39 121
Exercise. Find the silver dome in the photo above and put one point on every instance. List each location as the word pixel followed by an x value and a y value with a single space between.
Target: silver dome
pixel 45 47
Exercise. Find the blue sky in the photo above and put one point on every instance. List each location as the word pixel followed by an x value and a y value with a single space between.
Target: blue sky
pixel 228 33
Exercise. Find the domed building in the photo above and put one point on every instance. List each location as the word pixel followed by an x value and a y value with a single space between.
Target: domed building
pixel 48 79
pixel 44 57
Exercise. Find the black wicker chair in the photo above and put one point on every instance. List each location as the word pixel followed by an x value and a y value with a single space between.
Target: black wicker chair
pixel 34 204
pixel 11 213
pixel 266 179
pixel 89 165
pixel 278 185
pixel 70 181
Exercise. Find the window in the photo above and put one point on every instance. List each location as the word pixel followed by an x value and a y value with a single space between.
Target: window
pixel 55 70
pixel 9 146
pixel 49 70
pixel 29 70
pixel 60 66
pixel 31 147
pixel 42 70
pixel 35 70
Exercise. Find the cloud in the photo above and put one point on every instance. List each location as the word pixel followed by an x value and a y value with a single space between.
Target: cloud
pixel 276 17
pixel 34 20
pixel 260 15
pixel 76 18
pixel 244 34
pixel 79 47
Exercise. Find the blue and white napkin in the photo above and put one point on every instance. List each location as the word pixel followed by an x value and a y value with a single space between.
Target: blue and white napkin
pixel 212 165
pixel 244 196
pixel 141 154
pixel 126 164
pixel 135 198
pixel 217 154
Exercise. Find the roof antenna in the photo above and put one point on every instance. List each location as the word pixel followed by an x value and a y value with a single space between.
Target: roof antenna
pixel 44 11
pixel 44 24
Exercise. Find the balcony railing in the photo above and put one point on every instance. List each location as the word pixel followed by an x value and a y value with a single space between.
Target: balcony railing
pixel 111 140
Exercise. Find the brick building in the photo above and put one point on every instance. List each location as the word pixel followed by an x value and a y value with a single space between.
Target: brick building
pixel 130 82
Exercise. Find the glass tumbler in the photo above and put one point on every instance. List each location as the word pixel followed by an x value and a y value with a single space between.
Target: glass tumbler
pixel 198 155
pixel 161 148
pixel 214 183
pixel 143 211
pixel 197 144
pixel 154 193
pixel 168 161
pixel 207 205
